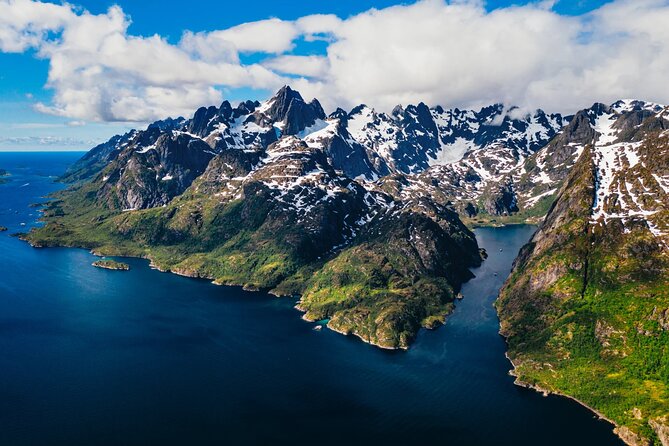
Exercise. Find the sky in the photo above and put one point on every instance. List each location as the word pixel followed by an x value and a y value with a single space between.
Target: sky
pixel 73 74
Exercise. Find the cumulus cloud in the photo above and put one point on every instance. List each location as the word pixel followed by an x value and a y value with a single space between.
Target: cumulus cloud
pixel 266 36
pixel 308 66
pixel 530 56
pixel 24 24
pixel 453 53
pixel 99 72
pixel 318 26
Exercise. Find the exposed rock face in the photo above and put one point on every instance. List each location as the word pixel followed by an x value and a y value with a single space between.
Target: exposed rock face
pixel 501 200
pixel 412 139
pixel 661 427
pixel 483 162
pixel 662 317
pixel 630 437
pixel 154 175
pixel 295 115
pixel 543 173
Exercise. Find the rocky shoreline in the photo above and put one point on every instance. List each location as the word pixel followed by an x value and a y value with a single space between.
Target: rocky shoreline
pixel 357 335
pixel 111 265
pixel 623 432
pixel 245 287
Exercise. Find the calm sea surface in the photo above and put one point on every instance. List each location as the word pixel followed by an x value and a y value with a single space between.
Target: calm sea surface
pixel 96 357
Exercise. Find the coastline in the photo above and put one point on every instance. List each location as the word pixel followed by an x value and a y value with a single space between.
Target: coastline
pixel 245 287
pixel 190 274
pixel 367 341
pixel 621 432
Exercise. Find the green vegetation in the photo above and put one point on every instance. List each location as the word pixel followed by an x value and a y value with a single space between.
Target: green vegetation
pixel 586 313
pixel 362 293
pixel 531 216
pixel 382 287
pixel 111 264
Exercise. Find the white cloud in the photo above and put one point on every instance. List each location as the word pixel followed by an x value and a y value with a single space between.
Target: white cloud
pixel 24 23
pixel 309 66
pixel 450 53
pixel 459 54
pixel 318 26
pixel 265 36
pixel 100 72
pixel 210 47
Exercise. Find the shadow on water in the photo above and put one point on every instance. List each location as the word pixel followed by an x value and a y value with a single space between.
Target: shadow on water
pixel 97 357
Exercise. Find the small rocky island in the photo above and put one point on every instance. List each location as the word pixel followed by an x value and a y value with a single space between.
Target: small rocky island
pixel 3 175
pixel 3 228
pixel 111 264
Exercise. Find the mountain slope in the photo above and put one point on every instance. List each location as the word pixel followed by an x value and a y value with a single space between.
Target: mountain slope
pixel 585 308
pixel 474 150
pixel 249 196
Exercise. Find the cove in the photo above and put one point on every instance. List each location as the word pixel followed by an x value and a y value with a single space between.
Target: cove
pixel 98 357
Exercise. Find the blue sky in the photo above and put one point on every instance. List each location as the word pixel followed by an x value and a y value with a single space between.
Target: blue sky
pixel 23 75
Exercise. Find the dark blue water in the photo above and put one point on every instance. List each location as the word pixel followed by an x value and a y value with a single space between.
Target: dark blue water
pixel 97 357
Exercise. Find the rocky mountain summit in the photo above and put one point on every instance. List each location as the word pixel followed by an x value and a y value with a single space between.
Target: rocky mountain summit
pixel 264 195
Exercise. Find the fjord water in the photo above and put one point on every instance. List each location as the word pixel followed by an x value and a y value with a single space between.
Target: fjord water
pixel 98 357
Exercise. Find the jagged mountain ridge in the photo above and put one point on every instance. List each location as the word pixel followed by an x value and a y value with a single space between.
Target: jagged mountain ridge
pixel 484 162
pixel 598 127
pixel 499 180
pixel 312 189
pixel 362 144
pixel 355 212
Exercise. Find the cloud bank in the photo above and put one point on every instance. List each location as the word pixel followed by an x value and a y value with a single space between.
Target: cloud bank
pixel 449 53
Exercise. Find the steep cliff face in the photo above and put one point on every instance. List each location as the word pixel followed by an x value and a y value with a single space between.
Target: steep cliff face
pixel 152 176
pixel 583 310
pixel 541 175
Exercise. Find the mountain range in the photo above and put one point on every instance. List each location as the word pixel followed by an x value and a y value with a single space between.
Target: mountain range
pixel 366 217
